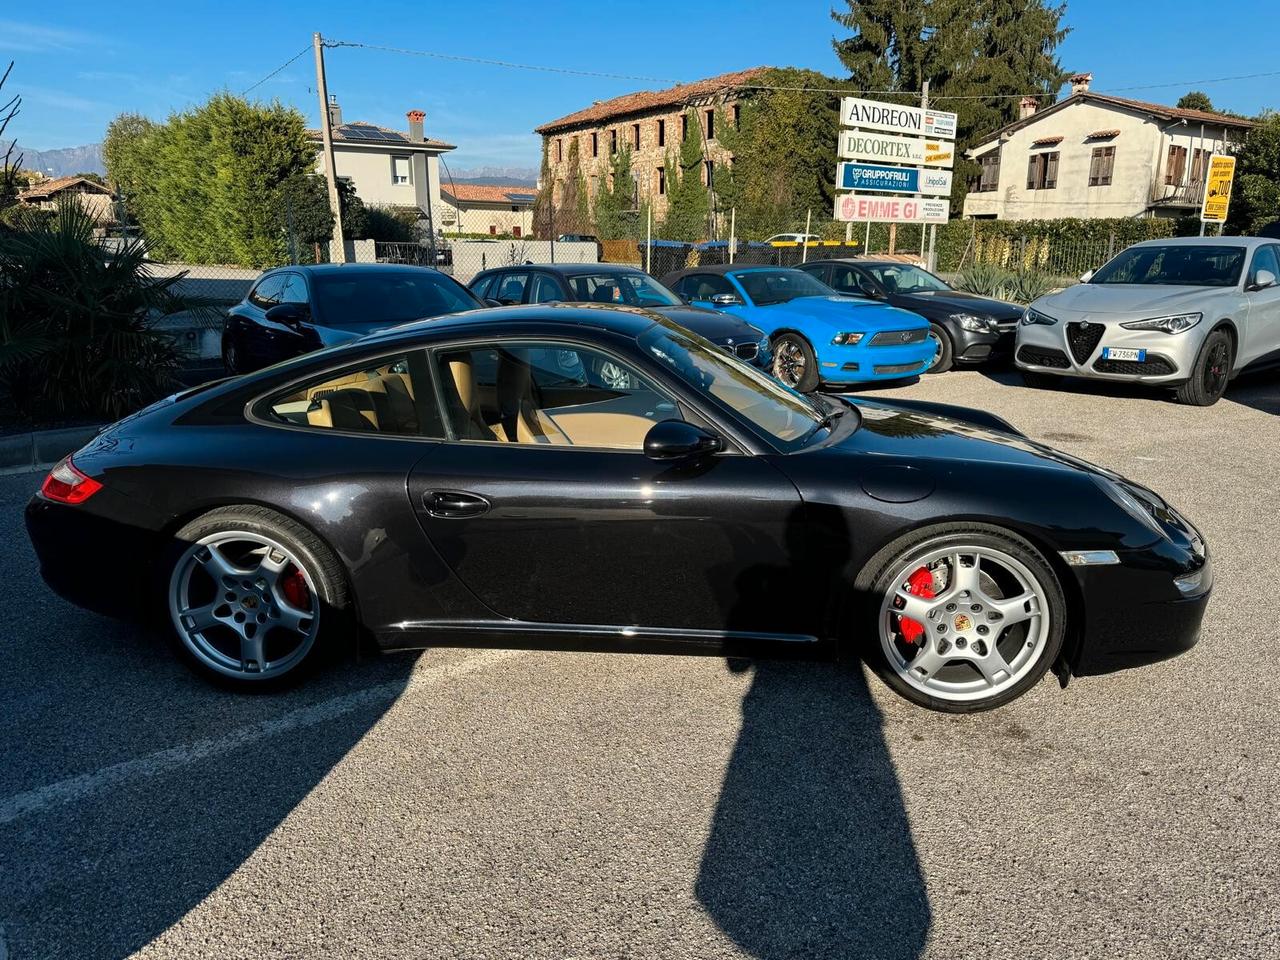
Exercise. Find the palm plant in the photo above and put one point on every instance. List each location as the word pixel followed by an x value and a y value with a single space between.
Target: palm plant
pixel 77 322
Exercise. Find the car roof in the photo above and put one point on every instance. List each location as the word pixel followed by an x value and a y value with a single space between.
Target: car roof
pixel 567 269
pixel 504 321
pixel 724 268
pixel 323 269
pixel 1206 242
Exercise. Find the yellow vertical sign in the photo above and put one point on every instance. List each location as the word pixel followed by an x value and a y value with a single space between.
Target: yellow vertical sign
pixel 1217 189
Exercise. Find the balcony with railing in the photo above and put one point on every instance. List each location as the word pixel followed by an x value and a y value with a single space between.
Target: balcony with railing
pixel 1186 194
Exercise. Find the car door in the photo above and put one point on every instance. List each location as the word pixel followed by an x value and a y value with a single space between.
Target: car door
pixel 546 288
pixel 257 346
pixel 544 504
pixel 1262 336
pixel 292 338
pixel 511 287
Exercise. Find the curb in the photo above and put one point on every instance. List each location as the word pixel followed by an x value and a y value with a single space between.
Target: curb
pixel 40 449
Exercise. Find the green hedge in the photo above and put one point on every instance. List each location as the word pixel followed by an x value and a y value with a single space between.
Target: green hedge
pixel 1064 246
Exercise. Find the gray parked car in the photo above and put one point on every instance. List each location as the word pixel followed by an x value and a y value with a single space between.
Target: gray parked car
pixel 1188 313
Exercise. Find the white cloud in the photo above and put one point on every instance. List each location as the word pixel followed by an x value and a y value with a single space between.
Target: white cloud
pixel 36 38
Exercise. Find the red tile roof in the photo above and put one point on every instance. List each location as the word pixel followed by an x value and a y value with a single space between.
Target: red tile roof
pixel 646 100
pixel 488 192
pixel 1103 134
pixel 1046 141
pixel 47 188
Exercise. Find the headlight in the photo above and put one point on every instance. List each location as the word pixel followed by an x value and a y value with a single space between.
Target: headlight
pixel 846 339
pixel 971 323
pixel 1175 324
pixel 1137 508
pixel 1030 316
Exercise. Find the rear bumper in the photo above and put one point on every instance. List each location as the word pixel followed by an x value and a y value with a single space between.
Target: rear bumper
pixel 1134 612
pixel 99 564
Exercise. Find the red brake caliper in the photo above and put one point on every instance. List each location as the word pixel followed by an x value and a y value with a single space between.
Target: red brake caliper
pixel 294 588
pixel 919 584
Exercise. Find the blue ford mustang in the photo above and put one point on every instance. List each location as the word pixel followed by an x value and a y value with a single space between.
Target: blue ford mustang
pixel 819 337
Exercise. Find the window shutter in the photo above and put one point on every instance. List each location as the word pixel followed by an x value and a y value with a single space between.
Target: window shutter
pixel 1051 171
pixel 1095 167
pixel 1108 164
pixel 1031 172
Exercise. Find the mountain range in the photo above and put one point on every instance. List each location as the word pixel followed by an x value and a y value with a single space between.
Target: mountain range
pixel 62 162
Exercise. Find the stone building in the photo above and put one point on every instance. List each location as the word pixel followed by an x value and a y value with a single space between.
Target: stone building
pixel 649 123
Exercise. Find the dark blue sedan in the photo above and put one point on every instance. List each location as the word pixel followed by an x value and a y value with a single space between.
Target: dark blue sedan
pixel 294 310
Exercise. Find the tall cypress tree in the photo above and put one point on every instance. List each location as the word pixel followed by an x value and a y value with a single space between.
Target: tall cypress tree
pixel 615 213
pixel 688 201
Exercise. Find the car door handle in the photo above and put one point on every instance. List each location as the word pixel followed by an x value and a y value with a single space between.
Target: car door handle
pixel 454 505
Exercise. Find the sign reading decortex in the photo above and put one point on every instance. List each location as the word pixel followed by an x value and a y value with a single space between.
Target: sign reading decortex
pixel 866 176
pixel 896 118
pixel 858 207
pixel 856 145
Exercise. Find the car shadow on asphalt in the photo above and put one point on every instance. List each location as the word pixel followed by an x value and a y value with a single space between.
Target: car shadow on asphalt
pixel 810 853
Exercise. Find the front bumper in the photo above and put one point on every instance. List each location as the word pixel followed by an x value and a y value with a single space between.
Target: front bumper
pixel 978 347
pixel 1047 348
pixel 865 363
pixel 1135 613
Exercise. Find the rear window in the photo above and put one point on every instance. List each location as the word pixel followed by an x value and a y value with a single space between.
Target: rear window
pixel 382 299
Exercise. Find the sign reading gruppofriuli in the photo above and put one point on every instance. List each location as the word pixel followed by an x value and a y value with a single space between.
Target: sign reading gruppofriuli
pixel 1217 189
pixel 856 145
pixel 896 118
pixel 874 176
pixel 860 208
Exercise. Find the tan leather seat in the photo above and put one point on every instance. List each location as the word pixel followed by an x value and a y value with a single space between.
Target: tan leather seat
pixel 464 404
pixel 522 421
pixel 346 409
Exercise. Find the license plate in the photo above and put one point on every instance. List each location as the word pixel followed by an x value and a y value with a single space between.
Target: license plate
pixel 1123 353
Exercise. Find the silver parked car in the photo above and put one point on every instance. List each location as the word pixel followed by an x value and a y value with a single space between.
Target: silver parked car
pixel 1188 313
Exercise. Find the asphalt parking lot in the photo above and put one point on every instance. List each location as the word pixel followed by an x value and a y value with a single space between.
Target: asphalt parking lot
pixel 493 804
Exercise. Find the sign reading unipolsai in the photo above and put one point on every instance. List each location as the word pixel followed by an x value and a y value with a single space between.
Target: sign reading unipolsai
pixel 856 145
pixel 896 118
pixel 868 176
pixel 860 208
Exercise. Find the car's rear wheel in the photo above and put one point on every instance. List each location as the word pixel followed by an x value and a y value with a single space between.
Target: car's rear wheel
pixel 943 351
pixel 1210 373
pixel 964 617
pixel 253 596
pixel 230 356
pixel 794 362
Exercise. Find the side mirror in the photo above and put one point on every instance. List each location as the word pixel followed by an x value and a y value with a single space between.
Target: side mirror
pixel 1263 279
pixel 724 299
pixel 869 289
pixel 1086 276
pixel 679 440
pixel 289 314
pixel 490 302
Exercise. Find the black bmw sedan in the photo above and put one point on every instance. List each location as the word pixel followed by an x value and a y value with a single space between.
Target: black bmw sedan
pixel 615 284
pixel 470 480
pixel 294 310
pixel 966 328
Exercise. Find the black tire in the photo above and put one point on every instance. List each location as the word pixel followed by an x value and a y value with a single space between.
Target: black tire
pixel 946 353
pixel 1040 381
pixel 1210 373
pixel 806 380
pixel 321 566
pixel 874 580
pixel 231 356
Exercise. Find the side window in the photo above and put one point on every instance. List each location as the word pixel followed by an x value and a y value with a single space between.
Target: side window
pixel 845 279
pixel 268 291
pixel 546 289
pixel 295 290
pixel 554 394
pixel 480 286
pixel 511 287
pixel 704 286
pixel 392 396
pixel 1264 259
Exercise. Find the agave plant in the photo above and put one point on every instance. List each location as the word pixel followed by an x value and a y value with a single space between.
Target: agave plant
pixel 1027 285
pixel 984 279
pixel 77 323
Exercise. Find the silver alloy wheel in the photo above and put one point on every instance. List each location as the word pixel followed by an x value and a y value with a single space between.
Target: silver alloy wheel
pixel 982 633
pixel 789 362
pixel 937 350
pixel 227 601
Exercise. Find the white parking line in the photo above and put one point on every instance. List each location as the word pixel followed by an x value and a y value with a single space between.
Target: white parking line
pixel 163 761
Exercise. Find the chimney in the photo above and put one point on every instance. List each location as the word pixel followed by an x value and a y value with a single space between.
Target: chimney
pixel 415 125
pixel 1080 82
pixel 1027 106
pixel 335 112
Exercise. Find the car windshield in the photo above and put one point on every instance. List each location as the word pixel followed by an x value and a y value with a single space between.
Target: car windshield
pixel 786 416
pixel 778 286
pixel 633 289
pixel 904 278
pixel 1186 265
pixel 379 298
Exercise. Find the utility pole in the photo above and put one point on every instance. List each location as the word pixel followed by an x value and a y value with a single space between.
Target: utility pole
pixel 337 247
pixel 933 227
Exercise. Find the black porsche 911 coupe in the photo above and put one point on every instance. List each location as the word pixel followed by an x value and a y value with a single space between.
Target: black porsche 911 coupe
pixel 472 479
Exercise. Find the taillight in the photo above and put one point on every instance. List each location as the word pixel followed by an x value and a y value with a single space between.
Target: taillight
pixel 66 484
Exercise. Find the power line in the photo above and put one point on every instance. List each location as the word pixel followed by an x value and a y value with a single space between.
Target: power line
pixel 277 70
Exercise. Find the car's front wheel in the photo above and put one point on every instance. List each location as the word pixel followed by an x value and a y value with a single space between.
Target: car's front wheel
pixel 794 362
pixel 1210 373
pixel 964 617
pixel 253 596
pixel 231 356
pixel 943 351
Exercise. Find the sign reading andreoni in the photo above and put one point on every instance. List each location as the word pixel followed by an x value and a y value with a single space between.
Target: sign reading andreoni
pixel 895 118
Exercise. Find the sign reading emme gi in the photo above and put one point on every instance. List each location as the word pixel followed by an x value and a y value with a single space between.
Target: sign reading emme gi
pixel 891 117
pixel 855 145
pixel 866 176
pixel 852 206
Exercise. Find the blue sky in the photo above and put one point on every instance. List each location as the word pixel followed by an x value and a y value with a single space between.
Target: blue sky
pixel 80 64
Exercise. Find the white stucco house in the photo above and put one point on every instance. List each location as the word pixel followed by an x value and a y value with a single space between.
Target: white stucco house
pixel 499 208
pixel 392 168
pixel 1093 155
